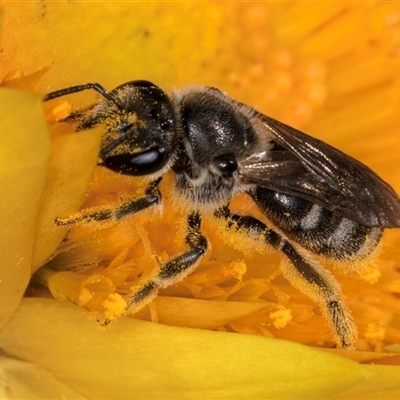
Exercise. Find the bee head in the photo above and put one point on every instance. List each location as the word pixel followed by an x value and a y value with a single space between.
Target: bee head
pixel 141 129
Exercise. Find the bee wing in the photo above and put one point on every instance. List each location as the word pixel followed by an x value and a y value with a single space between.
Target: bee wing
pixel 303 166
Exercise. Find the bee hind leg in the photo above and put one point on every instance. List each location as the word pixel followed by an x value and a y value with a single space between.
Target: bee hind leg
pixel 304 273
pixel 308 276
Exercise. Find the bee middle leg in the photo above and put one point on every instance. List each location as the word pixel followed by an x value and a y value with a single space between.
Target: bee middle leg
pixel 173 271
pixel 304 273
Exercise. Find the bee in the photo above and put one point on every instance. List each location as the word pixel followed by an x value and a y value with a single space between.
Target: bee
pixel 317 200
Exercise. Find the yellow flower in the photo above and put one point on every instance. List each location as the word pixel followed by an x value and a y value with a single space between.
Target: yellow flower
pixel 328 68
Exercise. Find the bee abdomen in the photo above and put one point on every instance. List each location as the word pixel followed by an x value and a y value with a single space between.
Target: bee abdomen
pixel 316 228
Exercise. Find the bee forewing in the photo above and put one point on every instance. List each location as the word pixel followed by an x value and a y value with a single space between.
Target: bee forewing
pixel 316 171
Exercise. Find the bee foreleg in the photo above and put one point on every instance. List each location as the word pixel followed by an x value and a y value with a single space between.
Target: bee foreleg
pixel 152 196
pixel 304 273
pixel 172 271
pixel 84 118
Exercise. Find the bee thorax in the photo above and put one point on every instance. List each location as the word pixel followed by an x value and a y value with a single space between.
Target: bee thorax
pixel 205 190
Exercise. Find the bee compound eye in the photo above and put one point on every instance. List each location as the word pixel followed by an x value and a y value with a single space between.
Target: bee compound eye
pixel 137 164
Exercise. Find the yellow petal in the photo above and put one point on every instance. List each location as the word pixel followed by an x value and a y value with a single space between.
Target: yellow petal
pixel 384 384
pixel 202 314
pixel 23 380
pixel 24 154
pixel 136 40
pixel 72 163
pixel 133 359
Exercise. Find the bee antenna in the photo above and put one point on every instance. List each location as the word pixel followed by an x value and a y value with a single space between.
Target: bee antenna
pixel 80 88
